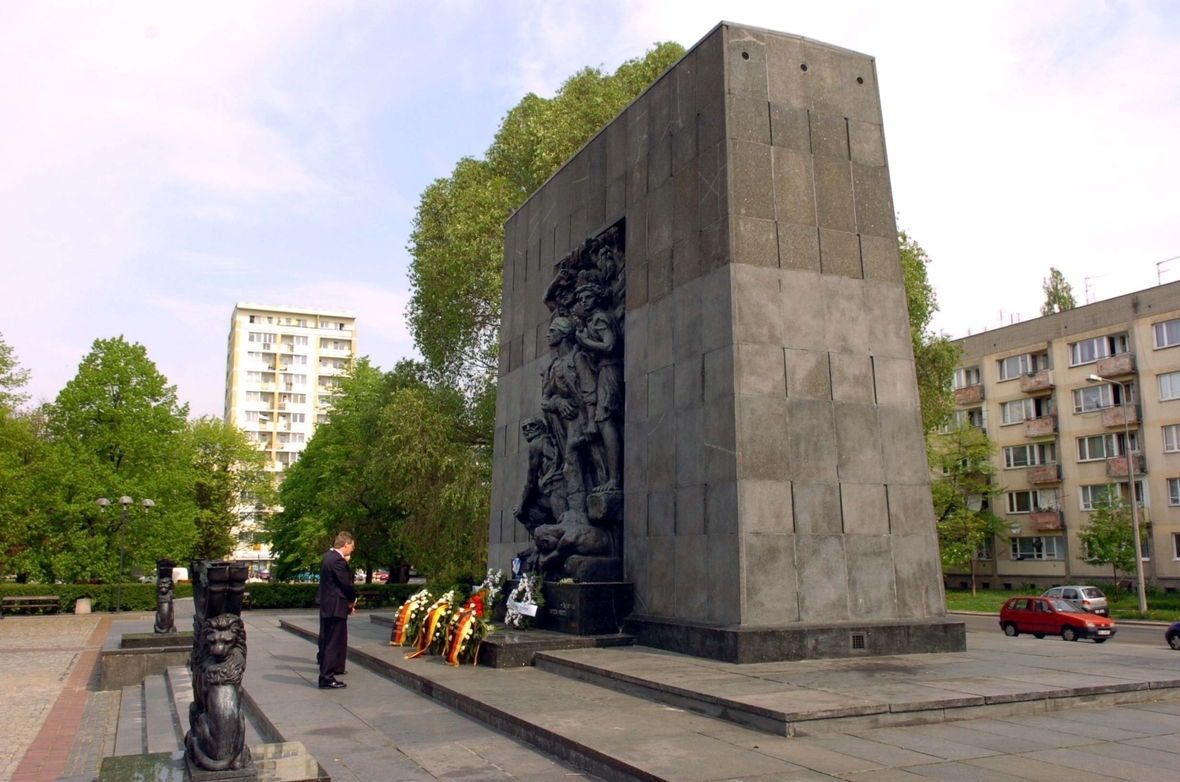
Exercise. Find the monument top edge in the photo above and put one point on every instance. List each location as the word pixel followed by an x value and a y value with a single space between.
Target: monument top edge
pixel 687 51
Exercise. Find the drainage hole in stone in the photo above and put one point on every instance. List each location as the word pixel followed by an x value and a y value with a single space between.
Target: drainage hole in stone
pixel 860 80
pixel 803 66
pixel 745 55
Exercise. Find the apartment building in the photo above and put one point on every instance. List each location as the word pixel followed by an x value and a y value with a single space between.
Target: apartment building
pixel 282 368
pixel 1068 399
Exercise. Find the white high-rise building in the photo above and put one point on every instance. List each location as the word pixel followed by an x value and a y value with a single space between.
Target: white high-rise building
pixel 282 368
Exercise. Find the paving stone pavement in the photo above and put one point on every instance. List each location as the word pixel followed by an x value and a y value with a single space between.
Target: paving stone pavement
pixel 37 654
pixel 96 734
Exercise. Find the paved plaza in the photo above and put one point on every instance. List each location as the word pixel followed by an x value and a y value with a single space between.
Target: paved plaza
pixel 377 730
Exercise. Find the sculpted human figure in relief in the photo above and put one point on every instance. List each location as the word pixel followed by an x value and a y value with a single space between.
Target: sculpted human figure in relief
pixel 599 337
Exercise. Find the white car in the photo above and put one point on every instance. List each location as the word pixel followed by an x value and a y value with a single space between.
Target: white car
pixel 1089 598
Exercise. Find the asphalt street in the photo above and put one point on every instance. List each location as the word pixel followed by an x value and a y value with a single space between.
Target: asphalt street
pixel 1127 634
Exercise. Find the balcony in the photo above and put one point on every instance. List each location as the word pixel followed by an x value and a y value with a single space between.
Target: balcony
pixel 1044 520
pixel 1120 415
pixel 1040 427
pixel 1116 467
pixel 1036 382
pixel 1116 366
pixel 969 395
pixel 1045 473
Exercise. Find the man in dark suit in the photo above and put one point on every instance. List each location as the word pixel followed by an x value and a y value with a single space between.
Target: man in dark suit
pixel 337 600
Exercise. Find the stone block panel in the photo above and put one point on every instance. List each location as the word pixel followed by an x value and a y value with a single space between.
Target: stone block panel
pixel 771 590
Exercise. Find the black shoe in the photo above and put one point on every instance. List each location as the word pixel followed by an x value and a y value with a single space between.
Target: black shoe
pixel 333 685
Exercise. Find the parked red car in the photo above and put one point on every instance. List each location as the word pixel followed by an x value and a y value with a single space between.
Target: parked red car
pixel 1043 616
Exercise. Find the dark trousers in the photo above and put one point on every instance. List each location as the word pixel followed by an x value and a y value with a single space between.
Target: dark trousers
pixel 333 647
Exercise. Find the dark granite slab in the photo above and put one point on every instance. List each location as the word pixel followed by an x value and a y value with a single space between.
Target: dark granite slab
pixel 515 648
pixel 156 640
pixel 286 762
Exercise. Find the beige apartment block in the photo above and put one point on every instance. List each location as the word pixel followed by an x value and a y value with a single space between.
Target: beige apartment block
pixel 282 368
pixel 1063 440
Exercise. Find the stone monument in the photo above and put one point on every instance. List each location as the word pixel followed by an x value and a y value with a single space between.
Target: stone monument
pixel 165 620
pixel 215 744
pixel 730 237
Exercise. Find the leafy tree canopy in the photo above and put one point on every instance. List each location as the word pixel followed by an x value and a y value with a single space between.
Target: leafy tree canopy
pixel 1058 293
pixel 1108 538
pixel 12 379
pixel 963 491
pixel 935 356
pixel 228 471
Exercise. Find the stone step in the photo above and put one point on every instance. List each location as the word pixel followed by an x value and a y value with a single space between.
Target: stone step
pixel 129 734
pixel 613 735
pixel 160 722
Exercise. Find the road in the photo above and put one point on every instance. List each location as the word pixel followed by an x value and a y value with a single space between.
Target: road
pixel 1141 636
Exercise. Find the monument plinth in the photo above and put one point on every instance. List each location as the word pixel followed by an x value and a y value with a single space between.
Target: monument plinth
pixel 775 491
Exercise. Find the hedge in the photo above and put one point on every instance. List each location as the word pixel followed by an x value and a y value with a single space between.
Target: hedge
pixel 142 597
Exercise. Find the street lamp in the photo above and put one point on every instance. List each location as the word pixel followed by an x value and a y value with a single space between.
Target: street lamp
pixel 1131 491
pixel 103 504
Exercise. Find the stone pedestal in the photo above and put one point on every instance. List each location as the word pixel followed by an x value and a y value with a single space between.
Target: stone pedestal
pixel 285 762
pixel 585 609
pixel 774 470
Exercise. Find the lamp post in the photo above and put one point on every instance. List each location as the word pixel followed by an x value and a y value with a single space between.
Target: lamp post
pixel 103 504
pixel 1131 490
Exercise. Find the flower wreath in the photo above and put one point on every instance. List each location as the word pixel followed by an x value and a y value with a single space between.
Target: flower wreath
pixel 410 617
pixel 433 633
pixel 527 591
pixel 469 626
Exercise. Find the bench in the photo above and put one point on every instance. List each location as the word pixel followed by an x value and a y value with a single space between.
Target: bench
pixel 50 603
pixel 371 597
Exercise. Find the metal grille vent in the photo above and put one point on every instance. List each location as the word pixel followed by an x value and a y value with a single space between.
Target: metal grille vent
pixel 858 642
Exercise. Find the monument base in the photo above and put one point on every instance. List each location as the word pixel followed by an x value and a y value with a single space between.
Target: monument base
pixel 736 644
pixel 228 775
pixel 281 762
pixel 585 609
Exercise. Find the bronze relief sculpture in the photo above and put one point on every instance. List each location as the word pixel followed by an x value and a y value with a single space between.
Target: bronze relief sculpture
pixel 571 502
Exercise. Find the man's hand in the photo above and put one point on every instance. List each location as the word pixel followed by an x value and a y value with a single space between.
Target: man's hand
pixel 352 608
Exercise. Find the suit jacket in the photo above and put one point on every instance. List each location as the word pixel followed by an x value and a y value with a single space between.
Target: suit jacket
pixel 336 592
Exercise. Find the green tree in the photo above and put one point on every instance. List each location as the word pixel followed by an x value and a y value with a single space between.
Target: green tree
pixel 1058 293
pixel 228 472
pixel 1108 538
pixel 935 356
pixel 21 459
pixel 338 484
pixel 963 491
pixel 12 378
pixel 115 429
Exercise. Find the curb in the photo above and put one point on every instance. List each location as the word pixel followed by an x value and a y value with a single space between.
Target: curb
pixel 1126 622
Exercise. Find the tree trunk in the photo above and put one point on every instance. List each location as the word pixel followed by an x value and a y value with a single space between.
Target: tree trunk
pixel 973 577
pixel 368 574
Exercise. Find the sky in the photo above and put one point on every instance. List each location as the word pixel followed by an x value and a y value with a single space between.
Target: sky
pixel 161 161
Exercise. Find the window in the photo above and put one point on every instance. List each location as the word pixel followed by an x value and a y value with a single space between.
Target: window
pixel 1169 386
pixel 986 550
pixel 1090 350
pixel 253 396
pixel 1167 334
pixel 1105 446
pixel 973 417
pixel 966 377
pixel 1020 502
pixel 1023 409
pixel 1026 364
pixel 300 340
pixel 253 357
pixel 1175 546
pixel 301 380
pixel 1094 494
pixel 298 437
pixel 259 336
pixel 298 418
pixel 1038 548
pixel 256 377
pixel 294 361
pixel 1172 438
pixel 1016 456
pixel 1089 398
pixel 1046 500
pixel 1140 492
pixel 1174 491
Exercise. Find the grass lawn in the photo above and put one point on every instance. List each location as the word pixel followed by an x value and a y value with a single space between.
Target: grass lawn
pixel 1163 608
